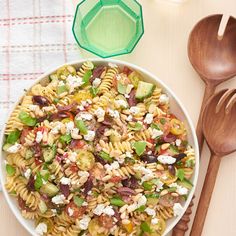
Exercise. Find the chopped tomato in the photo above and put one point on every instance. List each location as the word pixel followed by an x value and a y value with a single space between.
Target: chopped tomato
pixel 127 70
pixel 74 168
pixel 74 211
pixel 106 221
pixel 69 115
pixel 77 144
pixel 38 162
pixel 116 179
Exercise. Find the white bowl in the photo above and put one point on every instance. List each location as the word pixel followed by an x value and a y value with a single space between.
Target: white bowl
pixel 176 107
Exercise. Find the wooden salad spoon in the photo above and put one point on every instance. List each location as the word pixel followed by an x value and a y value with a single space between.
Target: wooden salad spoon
pixel 215 61
pixel 219 127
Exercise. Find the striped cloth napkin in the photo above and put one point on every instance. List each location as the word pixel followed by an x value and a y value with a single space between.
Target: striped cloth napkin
pixel 35 35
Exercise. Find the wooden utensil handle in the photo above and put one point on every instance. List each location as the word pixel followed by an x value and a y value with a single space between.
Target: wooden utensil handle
pixel 206 194
pixel 182 226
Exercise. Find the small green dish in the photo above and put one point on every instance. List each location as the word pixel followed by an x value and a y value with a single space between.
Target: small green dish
pixel 108 28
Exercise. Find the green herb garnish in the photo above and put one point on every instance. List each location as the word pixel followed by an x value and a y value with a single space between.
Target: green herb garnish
pixel 141 208
pixel 121 88
pixel 137 126
pixel 105 156
pixel 155 126
pixel 78 201
pixel 145 227
pixel 163 121
pixel 180 174
pixel 65 139
pixel 62 89
pixel 86 77
pixel 13 136
pixel 10 170
pixel 152 195
pixel 38 181
pixel 139 147
pixel 147 185
pixel 117 202
pixel 93 91
pixel 81 126
pixel 27 119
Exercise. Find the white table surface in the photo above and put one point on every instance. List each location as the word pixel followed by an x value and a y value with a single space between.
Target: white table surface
pixel 163 51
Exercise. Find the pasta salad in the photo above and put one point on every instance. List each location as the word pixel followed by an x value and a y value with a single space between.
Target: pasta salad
pixel 96 151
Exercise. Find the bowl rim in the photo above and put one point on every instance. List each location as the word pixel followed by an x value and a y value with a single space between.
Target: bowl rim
pixel 7 196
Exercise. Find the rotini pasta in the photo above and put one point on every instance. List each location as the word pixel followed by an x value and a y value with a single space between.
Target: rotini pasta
pixel 96 151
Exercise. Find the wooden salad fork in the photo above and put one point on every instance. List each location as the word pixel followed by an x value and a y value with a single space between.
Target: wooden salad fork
pixel 219 128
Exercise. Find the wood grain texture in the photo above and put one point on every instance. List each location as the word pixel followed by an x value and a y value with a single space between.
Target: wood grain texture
pixel 163 51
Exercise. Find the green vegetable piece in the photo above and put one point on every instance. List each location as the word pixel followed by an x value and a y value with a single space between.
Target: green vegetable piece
pixel 145 227
pixel 135 78
pixel 65 139
pixel 185 183
pixel 155 126
pixel 180 174
pixel 62 89
pixel 6 146
pixel 162 121
pixel 190 163
pixel 10 170
pixel 144 90
pixel 27 119
pixel 141 208
pixel 42 207
pixel 38 181
pixel 147 185
pixel 81 126
pixel 152 195
pixel 136 127
pixel 172 189
pixel 49 189
pixel 45 174
pixel 105 156
pixel 49 154
pixel 78 201
pixel 174 149
pixel 121 88
pixel 28 154
pixel 139 147
pixel 117 202
pixel 93 91
pixel 13 136
pixel 86 77
pixel 55 100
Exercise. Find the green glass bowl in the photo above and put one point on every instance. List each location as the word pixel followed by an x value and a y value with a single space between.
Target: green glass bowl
pixel 108 28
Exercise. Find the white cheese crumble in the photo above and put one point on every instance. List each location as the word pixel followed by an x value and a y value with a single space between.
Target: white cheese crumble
pixel 129 118
pixel 113 166
pixel 99 209
pixel 33 107
pixel 54 211
pixel 56 128
pixel 150 211
pixel 74 82
pixel 148 118
pixel 156 133
pixel 41 229
pixel 100 113
pixel 39 136
pixel 147 173
pixel 114 113
pixel 154 221
pixel 83 173
pixel 72 156
pixel 179 189
pixel 178 209
pixel 134 110
pixel 90 135
pixel 128 154
pixel 65 181
pixel 84 222
pixel 121 103
pixel 178 142
pixel 166 159
pixel 85 116
pixel 129 88
pixel 159 185
pixel 70 211
pixel 27 173
pixel 74 132
pixel 112 65
pixel 141 201
pixel 58 199
pixel 109 211
pixel 96 82
pixel 69 127
pixel 61 83
pixel 164 99
pixel 14 148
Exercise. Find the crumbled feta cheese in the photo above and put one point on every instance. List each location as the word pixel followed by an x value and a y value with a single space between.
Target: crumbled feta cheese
pixel 156 133
pixel 85 116
pixel 74 82
pixel 147 173
pixel 84 204
pixel 120 159
pixel 129 118
pixel 159 185
pixel 96 82
pixel 178 209
pixel 41 229
pixel 128 154
pixel 99 209
pixel 100 113
pixel 141 201
pixel 179 189
pixel 39 136
pixel 61 83
pixel 81 108
pixel 58 199
pixel 154 221
pixel 148 118
pixel 53 177
pixel 27 173
pixel 134 110
pixel 164 99
pixel 109 211
pixel 70 211
pixel 114 113
pixel 166 159
pixel 54 211
pixel 112 65
pixel 113 166
pixel 56 128
pixel 178 142
pixel 69 127
pixel 150 211
pixel 72 156
pixel 129 88
pixel 83 173
pixel 84 222
pixel 127 95
pixel 121 103
pixel 14 148
pixel 90 135
pixel 74 132
pixel 65 180
pixel 33 107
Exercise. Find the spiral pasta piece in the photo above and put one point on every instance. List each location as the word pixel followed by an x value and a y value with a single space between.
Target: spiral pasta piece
pixel 86 66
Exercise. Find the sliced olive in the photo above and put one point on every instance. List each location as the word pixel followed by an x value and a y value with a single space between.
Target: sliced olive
pixel 85 160
pixel 177 127
pixel 168 200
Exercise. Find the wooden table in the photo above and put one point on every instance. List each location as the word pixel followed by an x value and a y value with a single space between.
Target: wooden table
pixel 163 51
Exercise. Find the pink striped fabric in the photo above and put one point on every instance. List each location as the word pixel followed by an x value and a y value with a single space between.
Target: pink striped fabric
pixel 35 35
